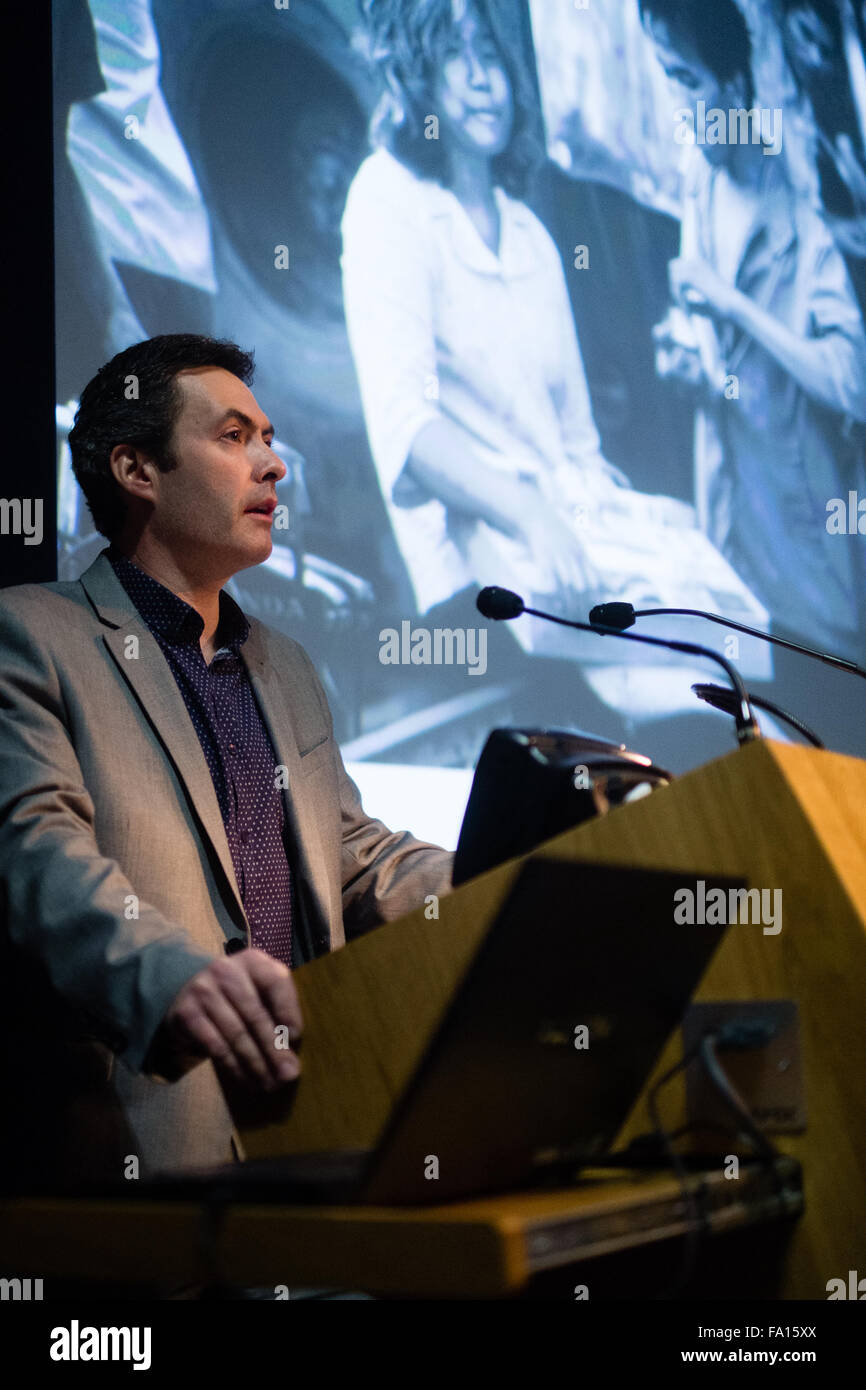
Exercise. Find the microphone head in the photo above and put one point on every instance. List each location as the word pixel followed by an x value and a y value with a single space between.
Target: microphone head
pixel 719 696
pixel 618 615
pixel 494 602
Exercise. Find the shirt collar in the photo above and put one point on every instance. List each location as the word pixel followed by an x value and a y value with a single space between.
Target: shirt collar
pixel 517 252
pixel 168 616
pixel 773 228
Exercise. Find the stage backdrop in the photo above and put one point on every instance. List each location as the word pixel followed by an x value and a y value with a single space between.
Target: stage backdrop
pixel 561 296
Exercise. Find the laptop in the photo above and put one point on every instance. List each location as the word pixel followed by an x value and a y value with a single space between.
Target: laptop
pixel 550 1038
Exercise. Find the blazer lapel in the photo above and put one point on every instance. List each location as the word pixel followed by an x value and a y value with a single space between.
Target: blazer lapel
pixel 150 678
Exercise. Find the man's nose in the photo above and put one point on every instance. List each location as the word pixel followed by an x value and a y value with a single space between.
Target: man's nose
pixel 271 466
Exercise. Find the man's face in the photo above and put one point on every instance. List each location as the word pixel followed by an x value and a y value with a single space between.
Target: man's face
pixel 225 467
pixel 473 93
pixel 810 45
pixel 695 80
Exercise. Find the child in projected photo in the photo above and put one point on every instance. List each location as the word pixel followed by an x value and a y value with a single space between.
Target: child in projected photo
pixel 473 387
pixel 766 323
pixel 474 392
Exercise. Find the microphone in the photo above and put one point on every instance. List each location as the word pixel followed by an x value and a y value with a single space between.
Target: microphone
pixel 622 615
pixel 721 698
pixel 497 603
pixel 494 602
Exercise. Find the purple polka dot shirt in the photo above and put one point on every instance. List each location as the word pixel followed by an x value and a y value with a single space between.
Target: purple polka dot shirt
pixel 225 713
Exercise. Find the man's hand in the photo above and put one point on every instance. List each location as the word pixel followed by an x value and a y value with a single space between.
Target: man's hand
pixel 676 350
pixel 699 289
pixel 230 1012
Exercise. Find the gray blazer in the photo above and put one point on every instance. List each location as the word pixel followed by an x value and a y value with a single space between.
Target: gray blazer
pixel 117 883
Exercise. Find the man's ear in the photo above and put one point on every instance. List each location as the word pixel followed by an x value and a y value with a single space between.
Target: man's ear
pixel 134 470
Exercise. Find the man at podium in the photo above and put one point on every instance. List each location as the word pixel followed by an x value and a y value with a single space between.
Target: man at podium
pixel 177 829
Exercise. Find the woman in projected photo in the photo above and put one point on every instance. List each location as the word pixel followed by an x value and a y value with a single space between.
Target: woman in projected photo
pixel 474 392
pixel 765 320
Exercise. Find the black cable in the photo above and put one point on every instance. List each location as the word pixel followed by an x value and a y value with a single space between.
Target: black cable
pixel 737 1037
pixel 643 1151
pixel 692 1199
pixel 731 1095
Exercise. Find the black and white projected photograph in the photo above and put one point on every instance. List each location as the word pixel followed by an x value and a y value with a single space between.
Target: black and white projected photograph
pixel 563 298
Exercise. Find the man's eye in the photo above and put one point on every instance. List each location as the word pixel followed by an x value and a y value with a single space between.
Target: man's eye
pixel 232 434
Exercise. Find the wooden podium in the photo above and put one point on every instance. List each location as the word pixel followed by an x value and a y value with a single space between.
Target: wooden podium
pixel 778 816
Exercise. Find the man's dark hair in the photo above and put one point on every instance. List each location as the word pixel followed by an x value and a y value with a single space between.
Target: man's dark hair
pixel 827 11
pixel 716 34
pixel 135 399
pixel 408 42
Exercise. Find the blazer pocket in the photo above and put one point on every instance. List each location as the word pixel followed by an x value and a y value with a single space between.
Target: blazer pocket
pixel 316 758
